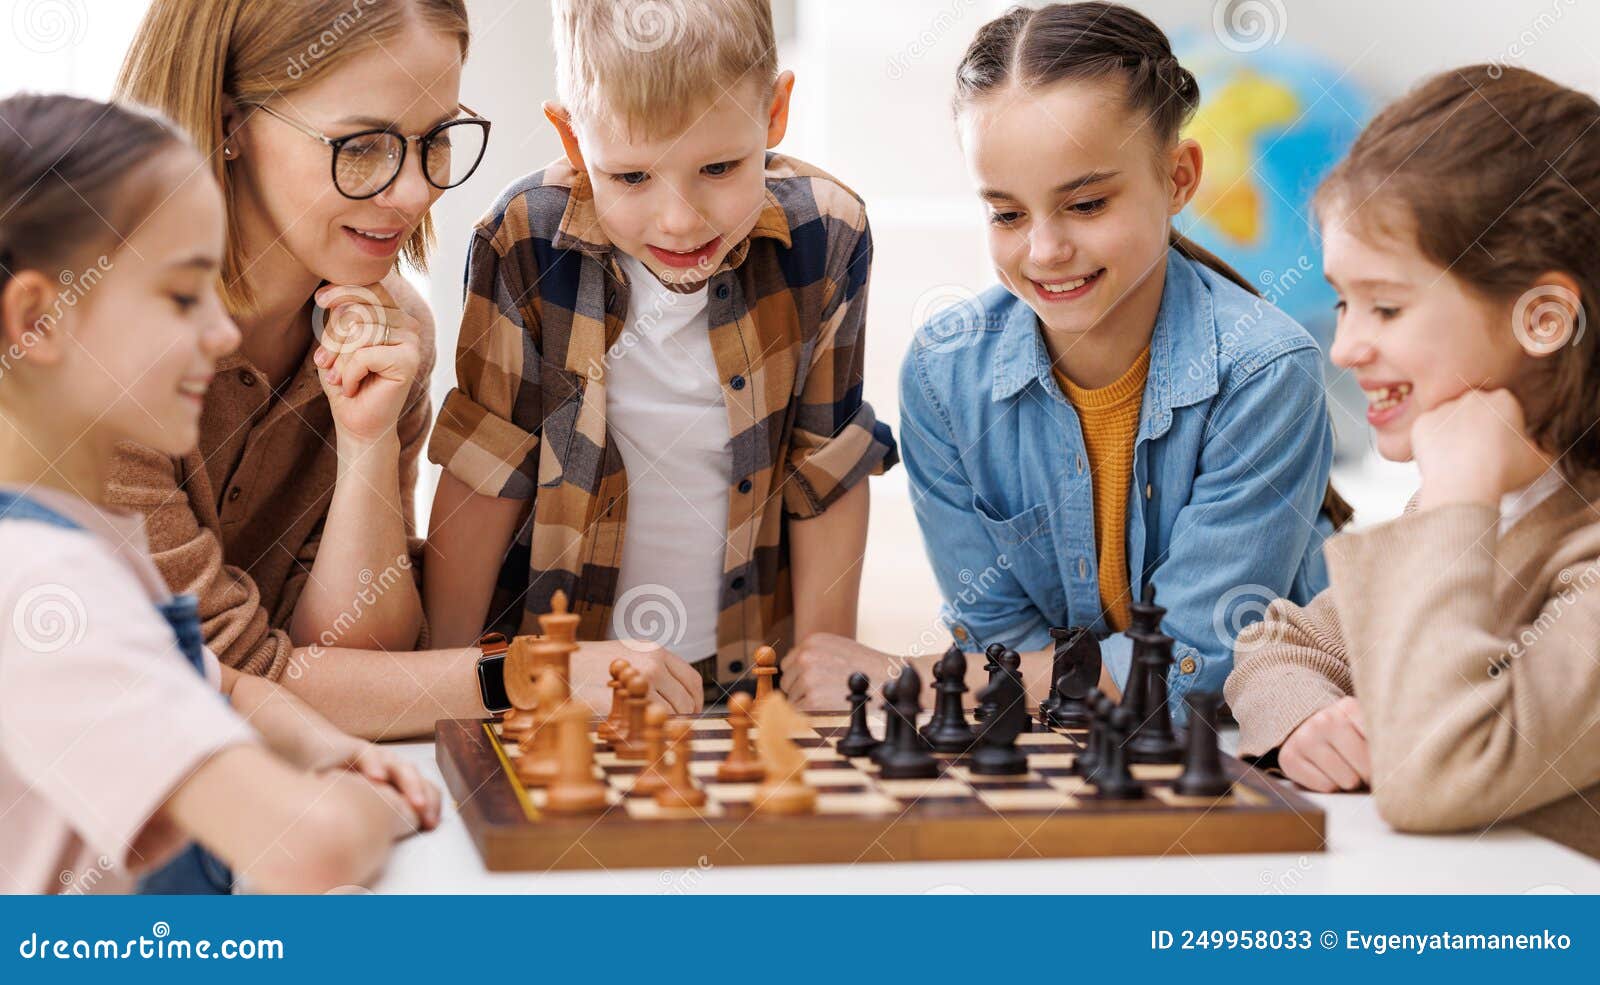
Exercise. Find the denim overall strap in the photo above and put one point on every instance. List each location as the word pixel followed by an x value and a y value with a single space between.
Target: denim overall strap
pixel 15 506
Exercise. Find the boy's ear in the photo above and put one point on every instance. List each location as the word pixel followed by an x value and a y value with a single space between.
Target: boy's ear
pixel 1549 315
pixel 26 325
pixel 562 121
pixel 1187 163
pixel 778 112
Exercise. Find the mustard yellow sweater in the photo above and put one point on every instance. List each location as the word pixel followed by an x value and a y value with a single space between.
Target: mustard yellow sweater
pixel 1110 419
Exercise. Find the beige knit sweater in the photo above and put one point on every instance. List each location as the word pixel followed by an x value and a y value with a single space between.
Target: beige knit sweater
pixel 1475 658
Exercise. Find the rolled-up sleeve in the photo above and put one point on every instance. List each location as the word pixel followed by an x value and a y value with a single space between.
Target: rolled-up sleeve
pixel 480 438
pixel 837 439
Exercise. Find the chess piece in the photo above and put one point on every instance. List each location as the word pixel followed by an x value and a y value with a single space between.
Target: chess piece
pixel 630 744
pixel 540 760
pixel 653 777
pixel 996 752
pixel 1152 740
pixel 521 679
pixel 575 788
pixel 561 639
pixel 859 740
pixel 891 723
pixel 952 733
pixel 1203 775
pixel 765 670
pixel 907 758
pixel 1074 670
pixel 991 664
pixel 611 728
pixel 680 789
pixel 1011 662
pixel 741 764
pixel 784 791
pixel 1113 781
pixel 939 707
pixel 1088 760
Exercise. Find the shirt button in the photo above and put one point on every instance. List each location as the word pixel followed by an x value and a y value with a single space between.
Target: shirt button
pixel 722 292
pixel 1187 665
pixel 736 666
pixel 1083 568
pixel 247 378
pixel 738 583
pixel 960 633
pixel 744 485
pixel 737 382
pixel 234 494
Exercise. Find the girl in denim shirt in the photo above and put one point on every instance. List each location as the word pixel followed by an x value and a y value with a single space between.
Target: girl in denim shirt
pixel 1122 411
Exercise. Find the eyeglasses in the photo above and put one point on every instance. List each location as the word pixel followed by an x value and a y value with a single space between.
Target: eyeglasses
pixel 366 163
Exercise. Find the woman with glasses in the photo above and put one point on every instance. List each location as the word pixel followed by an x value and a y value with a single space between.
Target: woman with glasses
pixel 333 126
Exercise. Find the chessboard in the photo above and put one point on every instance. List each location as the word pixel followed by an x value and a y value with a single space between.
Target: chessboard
pixel 1048 812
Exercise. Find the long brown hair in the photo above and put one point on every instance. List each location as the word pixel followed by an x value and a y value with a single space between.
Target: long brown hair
pixel 1492 170
pixel 73 179
pixel 1093 42
pixel 190 54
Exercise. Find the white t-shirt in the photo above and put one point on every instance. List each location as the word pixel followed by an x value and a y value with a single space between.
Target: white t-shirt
pixel 665 407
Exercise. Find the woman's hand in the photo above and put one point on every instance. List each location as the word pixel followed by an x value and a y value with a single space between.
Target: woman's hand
pixel 1475 449
pixel 369 350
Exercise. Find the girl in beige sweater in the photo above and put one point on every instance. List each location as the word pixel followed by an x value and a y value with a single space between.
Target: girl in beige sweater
pixel 1454 664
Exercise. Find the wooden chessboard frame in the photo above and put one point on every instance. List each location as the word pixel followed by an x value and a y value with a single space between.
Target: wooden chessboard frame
pixel 1048 814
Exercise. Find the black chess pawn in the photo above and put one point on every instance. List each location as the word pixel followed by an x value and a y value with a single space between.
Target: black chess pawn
pixel 996 752
pixel 891 725
pixel 1074 670
pixel 859 741
pixel 1203 775
pixel 907 758
pixel 1113 781
pixel 952 733
pixel 939 708
pixel 991 664
pixel 1011 663
pixel 1152 740
pixel 1100 707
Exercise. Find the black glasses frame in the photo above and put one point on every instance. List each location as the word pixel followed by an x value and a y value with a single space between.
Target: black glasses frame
pixel 336 144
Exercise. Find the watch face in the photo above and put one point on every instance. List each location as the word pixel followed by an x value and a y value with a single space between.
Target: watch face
pixel 492 682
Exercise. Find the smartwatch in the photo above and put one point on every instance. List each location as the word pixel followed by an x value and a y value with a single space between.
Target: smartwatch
pixel 492 672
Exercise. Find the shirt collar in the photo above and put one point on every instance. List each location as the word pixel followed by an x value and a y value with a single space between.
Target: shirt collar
pixel 580 227
pixel 1183 349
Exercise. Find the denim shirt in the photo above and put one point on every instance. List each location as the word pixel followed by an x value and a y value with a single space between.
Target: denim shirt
pixel 1230 465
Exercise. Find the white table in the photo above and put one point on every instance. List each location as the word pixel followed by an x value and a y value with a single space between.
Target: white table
pixel 1363 856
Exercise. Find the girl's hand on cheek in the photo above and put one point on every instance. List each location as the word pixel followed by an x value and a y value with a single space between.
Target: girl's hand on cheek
pixel 1475 449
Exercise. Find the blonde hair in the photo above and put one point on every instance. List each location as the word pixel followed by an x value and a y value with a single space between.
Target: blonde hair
pixel 647 64
pixel 189 55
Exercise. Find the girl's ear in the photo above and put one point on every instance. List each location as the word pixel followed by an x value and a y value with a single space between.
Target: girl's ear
pixel 562 121
pixel 778 112
pixel 1185 164
pixel 27 324
pixel 1549 315
pixel 232 130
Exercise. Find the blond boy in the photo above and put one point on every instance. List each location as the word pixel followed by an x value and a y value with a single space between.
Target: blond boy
pixel 660 362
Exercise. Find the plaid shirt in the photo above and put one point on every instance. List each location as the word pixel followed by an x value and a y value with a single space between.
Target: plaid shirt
pixel 546 299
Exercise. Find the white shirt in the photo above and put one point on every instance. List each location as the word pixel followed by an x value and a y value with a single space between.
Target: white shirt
pixel 665 407
pixel 1519 503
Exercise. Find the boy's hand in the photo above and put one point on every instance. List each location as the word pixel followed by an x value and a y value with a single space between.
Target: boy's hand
pixel 1328 751
pixel 672 681
pixel 1475 449
pixel 816 673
